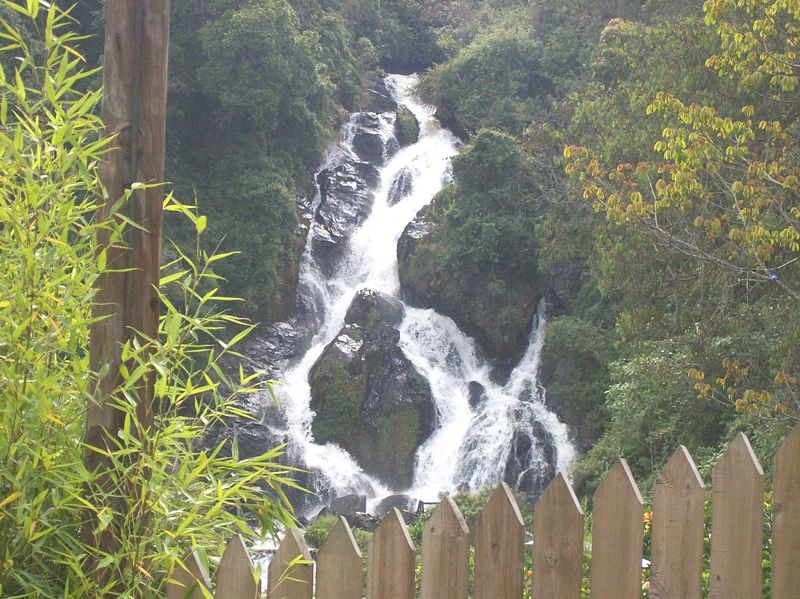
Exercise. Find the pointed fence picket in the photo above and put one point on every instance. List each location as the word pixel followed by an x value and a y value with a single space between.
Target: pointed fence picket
pixel 236 577
pixel 786 519
pixel 676 552
pixel 617 541
pixel 445 554
pixel 189 579
pixel 340 570
pixel 737 499
pixel 558 550
pixel 617 536
pixel 290 574
pixel 391 560
pixel 499 548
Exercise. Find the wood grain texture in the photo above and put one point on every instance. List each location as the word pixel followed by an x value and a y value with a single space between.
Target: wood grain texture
pixel 236 575
pixel 617 536
pixel 128 301
pixel 786 519
pixel 188 578
pixel 445 554
pixel 736 523
pixel 340 573
pixel 557 543
pixel 286 581
pixel 678 525
pixel 499 548
pixel 391 560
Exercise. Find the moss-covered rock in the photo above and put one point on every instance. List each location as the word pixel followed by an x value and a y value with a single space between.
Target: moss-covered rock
pixel 368 397
pixel 499 319
pixel 406 127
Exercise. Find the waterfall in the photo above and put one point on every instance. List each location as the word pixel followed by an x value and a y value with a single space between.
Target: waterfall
pixel 474 439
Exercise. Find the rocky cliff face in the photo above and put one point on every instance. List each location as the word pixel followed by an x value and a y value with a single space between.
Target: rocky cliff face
pixel 368 397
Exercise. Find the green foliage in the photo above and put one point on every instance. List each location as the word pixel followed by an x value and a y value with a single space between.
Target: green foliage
pixel 495 82
pixel 485 230
pixel 256 89
pixel 157 492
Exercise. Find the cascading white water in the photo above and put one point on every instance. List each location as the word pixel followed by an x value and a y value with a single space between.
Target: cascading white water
pixel 471 444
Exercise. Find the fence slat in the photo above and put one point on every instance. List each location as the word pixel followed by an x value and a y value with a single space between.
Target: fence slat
pixel 786 519
pixel 391 560
pixel 285 581
pixel 187 579
pixel 445 554
pixel 617 536
pixel 499 548
pixel 678 520
pixel 557 543
pixel 340 572
pixel 236 575
pixel 736 523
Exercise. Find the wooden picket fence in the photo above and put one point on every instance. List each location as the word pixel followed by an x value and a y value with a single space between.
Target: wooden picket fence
pixel 677 543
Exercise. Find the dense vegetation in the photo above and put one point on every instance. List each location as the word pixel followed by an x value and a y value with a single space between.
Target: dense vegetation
pixel 685 325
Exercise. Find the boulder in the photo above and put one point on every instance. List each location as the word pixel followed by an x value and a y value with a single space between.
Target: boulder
pixel 378 97
pixel 404 503
pixel 418 229
pixel 349 504
pixel 401 186
pixel 346 201
pixel 372 140
pixel 368 397
pixel 406 127
pixel 366 522
pixel 477 394
pixel 500 323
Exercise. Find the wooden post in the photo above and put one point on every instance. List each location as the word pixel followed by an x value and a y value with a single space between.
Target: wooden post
pixel 134 97
pixel 126 303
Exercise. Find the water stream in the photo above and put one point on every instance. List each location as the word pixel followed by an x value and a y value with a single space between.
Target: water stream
pixel 472 443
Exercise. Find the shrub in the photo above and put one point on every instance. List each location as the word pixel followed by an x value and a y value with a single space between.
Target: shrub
pixel 157 493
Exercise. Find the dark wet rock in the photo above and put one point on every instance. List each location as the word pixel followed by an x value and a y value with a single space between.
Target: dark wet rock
pixel 366 522
pixel 404 503
pixel 349 504
pixel 415 231
pixel 372 308
pixel 346 201
pixel 477 394
pixel 531 463
pixel 368 397
pixel 379 98
pixel 369 142
pixel 401 186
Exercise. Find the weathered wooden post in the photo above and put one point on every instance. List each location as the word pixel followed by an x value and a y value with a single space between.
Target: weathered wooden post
pixel 134 110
